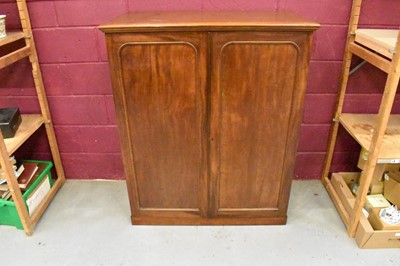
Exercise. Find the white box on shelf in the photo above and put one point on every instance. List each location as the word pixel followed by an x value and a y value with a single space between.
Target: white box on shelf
pixel 38 195
pixel 3 26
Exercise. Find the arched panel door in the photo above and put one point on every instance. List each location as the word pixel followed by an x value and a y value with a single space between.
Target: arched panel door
pixel 162 87
pixel 257 92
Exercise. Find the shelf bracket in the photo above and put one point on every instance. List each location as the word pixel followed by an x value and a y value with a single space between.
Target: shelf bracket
pixel 357 67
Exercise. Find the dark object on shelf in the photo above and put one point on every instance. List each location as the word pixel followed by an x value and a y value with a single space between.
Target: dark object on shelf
pixel 10 119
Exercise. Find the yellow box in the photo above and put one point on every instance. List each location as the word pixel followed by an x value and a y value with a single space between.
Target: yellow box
pixel 377 201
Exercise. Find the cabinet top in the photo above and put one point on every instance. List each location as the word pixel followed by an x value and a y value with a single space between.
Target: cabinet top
pixel 208 20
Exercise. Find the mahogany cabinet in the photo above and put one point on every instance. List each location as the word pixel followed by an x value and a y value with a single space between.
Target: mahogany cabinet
pixel 209 106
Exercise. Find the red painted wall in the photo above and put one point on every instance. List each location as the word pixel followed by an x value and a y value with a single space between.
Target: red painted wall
pixel 73 59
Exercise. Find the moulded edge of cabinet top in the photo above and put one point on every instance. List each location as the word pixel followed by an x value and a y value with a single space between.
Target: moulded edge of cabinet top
pixel 208 20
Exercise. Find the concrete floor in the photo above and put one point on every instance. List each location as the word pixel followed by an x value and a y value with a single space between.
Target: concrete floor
pixel 88 224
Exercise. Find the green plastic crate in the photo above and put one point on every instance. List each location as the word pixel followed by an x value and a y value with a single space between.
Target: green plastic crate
pixel 8 211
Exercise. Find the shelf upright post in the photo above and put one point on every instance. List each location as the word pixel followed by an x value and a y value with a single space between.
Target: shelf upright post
pixel 41 93
pixel 14 188
pixel 353 23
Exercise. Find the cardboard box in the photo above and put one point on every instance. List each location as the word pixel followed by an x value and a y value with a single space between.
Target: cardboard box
pixel 377 201
pixel 381 168
pixel 342 182
pixel 367 237
pixel 378 223
pixel 391 189
pixel 342 189
pixel 350 177
pixel 376 187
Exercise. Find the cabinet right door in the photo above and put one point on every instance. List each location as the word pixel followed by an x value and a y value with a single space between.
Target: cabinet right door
pixel 258 82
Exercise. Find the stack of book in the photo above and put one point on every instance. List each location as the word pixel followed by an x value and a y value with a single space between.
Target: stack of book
pixel 17 169
pixel 25 173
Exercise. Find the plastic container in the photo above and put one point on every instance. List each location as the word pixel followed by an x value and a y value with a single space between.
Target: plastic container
pixel 8 211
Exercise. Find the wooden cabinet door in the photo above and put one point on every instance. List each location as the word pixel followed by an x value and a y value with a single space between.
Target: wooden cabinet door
pixel 257 89
pixel 159 92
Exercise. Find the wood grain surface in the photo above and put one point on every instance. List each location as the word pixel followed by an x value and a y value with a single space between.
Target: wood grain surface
pixel 209 119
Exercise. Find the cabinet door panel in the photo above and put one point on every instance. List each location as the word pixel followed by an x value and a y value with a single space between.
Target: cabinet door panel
pixel 255 92
pixel 162 101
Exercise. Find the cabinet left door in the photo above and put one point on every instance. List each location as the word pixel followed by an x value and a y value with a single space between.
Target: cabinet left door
pixel 159 84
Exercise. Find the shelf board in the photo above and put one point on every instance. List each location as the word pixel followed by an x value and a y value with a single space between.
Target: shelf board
pixel 12 37
pixel 29 125
pixel 16 55
pixel 378 40
pixel 361 127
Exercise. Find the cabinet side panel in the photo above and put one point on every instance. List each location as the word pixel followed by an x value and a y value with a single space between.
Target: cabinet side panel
pixel 255 85
pixel 160 89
